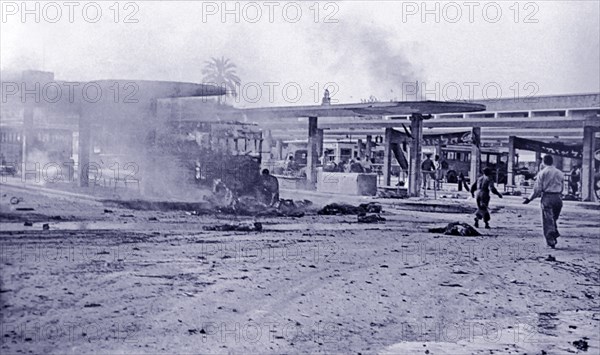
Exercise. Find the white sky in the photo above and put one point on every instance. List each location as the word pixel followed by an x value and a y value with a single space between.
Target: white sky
pixel 371 50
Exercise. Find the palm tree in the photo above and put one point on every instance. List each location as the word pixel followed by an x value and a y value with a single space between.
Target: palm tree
pixel 221 72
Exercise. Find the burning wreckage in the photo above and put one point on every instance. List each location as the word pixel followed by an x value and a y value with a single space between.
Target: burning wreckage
pixel 223 158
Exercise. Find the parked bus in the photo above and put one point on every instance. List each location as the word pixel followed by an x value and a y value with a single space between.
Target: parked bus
pixel 457 159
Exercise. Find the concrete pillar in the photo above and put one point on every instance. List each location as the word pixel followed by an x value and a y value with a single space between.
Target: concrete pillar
pixel 588 164
pixel 279 149
pixel 538 161
pixel 475 154
pixel 438 149
pixel 267 146
pixel 414 180
pixel 85 148
pixel 368 147
pixel 27 139
pixel 338 153
pixel 311 154
pixel 320 143
pixel 510 165
pixel 360 152
pixel 387 157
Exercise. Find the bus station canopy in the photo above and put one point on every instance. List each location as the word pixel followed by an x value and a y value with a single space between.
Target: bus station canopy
pixel 362 109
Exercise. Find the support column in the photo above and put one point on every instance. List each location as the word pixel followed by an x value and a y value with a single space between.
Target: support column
pixel 510 165
pixel 311 154
pixel 438 149
pixel 320 144
pixel 587 166
pixel 85 148
pixel 475 154
pixel 361 152
pixel 27 140
pixel 368 147
pixel 387 157
pixel 414 180
pixel 267 144
pixel 538 161
pixel 279 149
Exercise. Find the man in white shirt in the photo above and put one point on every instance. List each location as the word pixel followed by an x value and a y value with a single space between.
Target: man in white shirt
pixel 549 185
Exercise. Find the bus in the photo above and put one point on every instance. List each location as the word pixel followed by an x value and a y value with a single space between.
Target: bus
pixel 457 159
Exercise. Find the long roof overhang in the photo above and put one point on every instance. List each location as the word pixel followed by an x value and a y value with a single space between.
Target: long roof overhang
pixel 362 109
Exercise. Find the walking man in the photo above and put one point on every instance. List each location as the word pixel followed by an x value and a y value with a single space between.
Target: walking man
pixel 428 170
pixel 549 185
pixel 483 186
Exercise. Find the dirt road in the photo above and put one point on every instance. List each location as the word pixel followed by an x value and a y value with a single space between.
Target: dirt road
pixel 110 281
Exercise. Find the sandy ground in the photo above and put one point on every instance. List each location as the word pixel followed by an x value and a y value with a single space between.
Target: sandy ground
pixel 156 282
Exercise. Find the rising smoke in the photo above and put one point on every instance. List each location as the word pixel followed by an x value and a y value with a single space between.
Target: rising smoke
pixel 376 54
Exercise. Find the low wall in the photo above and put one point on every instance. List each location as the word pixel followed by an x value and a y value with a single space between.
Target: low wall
pixel 290 182
pixel 347 183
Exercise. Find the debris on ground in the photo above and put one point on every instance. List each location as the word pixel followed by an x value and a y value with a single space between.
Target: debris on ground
pixel 28 224
pixel 457 228
pixel 107 211
pixel 448 284
pixel 581 344
pixel 389 193
pixel 223 200
pixel 347 209
pixel 250 206
pixel 455 196
pixel 15 200
pixel 45 226
pixel 550 258
pixel 247 226
pixel 291 208
pixel 370 218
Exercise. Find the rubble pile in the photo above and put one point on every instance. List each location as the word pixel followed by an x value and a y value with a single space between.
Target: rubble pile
pixel 247 226
pixel 365 213
pixel 370 218
pixel 457 228
pixel 242 206
pixel 395 194
pixel 346 209
pixel 581 344
pixel 291 208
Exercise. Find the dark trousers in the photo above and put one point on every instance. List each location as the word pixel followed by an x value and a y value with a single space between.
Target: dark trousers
pixel 483 202
pixel 574 187
pixel 428 177
pixel 551 207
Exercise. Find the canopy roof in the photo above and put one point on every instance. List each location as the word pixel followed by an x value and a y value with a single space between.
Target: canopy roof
pixel 363 109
